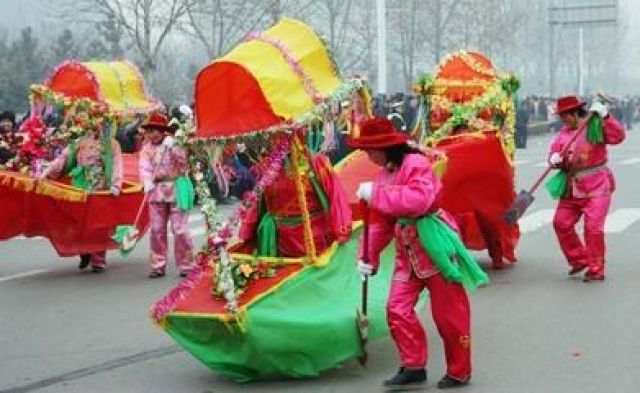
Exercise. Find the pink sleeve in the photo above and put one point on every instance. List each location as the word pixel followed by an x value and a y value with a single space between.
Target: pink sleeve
pixel 339 209
pixel 412 199
pixel 380 234
pixel 556 145
pixel 145 164
pixel 57 166
pixel 179 157
pixel 117 175
pixel 613 131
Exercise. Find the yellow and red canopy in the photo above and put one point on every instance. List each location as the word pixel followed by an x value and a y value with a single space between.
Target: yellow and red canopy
pixel 118 84
pixel 272 77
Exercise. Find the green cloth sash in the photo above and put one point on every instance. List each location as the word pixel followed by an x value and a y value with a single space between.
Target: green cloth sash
pixel 557 185
pixel 595 127
pixel 185 194
pixel 444 247
pixel 79 177
pixel 267 236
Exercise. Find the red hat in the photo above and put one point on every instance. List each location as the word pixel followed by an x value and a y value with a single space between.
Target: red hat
pixel 377 133
pixel 568 103
pixel 157 121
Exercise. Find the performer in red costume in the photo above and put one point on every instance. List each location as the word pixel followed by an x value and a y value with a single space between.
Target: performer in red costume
pixel 429 255
pixel 276 223
pixel 589 184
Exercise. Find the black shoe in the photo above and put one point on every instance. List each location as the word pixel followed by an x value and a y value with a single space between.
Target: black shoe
pixel 156 274
pixel 97 269
pixel 449 383
pixel 184 273
pixel 407 379
pixel 85 259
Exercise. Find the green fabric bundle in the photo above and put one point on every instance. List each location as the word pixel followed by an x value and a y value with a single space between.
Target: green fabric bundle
pixel 305 326
pixel 557 185
pixel 443 246
pixel 595 130
pixel 185 194
pixel 267 236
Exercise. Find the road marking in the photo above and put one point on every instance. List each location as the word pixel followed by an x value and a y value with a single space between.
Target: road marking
pixel 621 219
pixel 96 369
pixel 522 162
pixel 536 220
pixel 542 164
pixel 195 218
pixel 198 231
pixel 22 275
pixel 630 161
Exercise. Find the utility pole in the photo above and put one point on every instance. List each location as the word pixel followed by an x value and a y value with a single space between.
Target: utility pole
pixel 603 13
pixel 381 13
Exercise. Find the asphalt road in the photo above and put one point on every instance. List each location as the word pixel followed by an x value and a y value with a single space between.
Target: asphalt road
pixel 534 328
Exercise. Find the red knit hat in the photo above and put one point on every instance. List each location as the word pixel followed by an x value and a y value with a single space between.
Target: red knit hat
pixel 157 121
pixel 377 133
pixel 568 103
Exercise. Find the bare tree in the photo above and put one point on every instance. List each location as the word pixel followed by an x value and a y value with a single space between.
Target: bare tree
pixel 218 24
pixel 146 23
pixel 410 36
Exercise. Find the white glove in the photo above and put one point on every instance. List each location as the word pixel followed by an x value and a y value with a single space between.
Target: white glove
pixel 364 191
pixel 186 111
pixel 168 142
pixel 148 187
pixel 115 190
pixel 364 269
pixel 555 159
pixel 599 108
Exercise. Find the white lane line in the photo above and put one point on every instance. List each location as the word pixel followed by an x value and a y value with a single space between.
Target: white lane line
pixel 193 231
pixel 22 237
pixel 621 219
pixel 542 164
pixel 22 275
pixel 198 231
pixel 522 162
pixel 195 218
pixel 536 220
pixel 630 161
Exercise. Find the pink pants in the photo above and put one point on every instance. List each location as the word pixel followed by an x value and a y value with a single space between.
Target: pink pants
pixel 592 251
pixel 99 259
pixel 160 215
pixel 451 314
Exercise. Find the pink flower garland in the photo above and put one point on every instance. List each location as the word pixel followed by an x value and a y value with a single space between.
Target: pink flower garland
pixel 271 165
pixel 292 61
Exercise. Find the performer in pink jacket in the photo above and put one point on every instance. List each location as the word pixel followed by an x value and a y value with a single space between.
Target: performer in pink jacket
pixel 161 163
pixel 92 166
pixel 403 201
pixel 589 184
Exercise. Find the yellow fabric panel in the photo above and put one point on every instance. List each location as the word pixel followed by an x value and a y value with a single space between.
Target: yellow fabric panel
pixel 132 85
pixel 109 83
pixel 280 85
pixel 120 85
pixel 305 45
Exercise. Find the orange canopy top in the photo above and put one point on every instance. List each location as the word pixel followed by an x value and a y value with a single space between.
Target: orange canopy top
pixel 270 78
pixel 118 84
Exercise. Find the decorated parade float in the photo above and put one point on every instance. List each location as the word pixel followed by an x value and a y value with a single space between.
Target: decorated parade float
pixel 466 117
pixel 245 312
pixel 76 98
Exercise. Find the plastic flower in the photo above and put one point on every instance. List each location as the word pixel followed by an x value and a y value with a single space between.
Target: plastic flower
pixel 246 269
